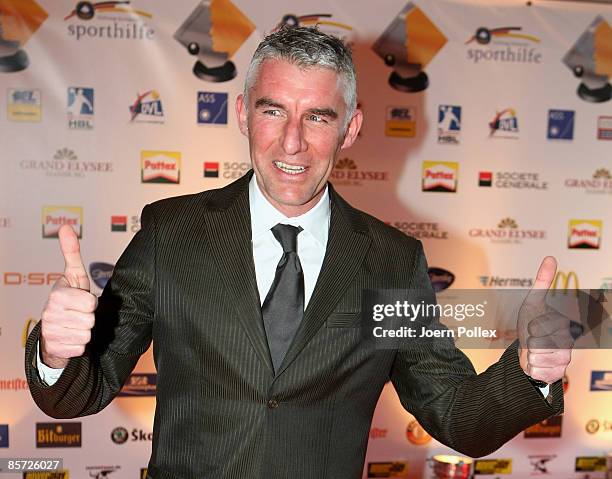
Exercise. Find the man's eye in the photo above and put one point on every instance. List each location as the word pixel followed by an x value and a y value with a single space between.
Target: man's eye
pixel 272 112
pixel 316 118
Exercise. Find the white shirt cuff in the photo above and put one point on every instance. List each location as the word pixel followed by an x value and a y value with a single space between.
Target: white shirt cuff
pixel 48 375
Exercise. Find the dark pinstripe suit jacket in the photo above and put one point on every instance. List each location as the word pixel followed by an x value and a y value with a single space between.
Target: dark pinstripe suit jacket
pixel 187 281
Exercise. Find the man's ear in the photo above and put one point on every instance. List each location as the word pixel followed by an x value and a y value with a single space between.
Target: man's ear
pixel 241 115
pixel 352 129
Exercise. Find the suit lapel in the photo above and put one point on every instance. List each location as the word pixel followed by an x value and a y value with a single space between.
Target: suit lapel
pixel 228 228
pixel 347 245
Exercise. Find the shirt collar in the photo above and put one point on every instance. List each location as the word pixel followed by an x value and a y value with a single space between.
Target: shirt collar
pixel 264 216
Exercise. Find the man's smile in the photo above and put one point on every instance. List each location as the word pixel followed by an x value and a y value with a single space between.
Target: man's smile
pixel 291 169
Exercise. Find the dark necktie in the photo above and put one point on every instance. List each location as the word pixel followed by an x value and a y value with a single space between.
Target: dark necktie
pixel 283 307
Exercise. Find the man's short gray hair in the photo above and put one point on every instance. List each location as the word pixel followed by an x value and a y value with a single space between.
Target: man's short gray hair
pixel 307 47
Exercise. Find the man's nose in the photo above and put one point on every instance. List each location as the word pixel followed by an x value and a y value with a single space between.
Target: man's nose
pixel 293 137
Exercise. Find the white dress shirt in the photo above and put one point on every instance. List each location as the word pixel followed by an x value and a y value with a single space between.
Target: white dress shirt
pixel 267 251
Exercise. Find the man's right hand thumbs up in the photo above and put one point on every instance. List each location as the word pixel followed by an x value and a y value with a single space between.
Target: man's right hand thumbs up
pixel 68 316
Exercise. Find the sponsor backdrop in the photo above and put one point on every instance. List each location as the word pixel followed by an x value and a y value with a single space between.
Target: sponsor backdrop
pixel 487 135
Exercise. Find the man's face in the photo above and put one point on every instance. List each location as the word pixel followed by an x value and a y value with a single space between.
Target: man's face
pixel 295 125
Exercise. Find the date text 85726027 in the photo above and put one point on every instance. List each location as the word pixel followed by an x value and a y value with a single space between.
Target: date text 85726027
pixel 30 464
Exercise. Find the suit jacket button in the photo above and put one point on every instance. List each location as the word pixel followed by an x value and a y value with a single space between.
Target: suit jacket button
pixel 272 404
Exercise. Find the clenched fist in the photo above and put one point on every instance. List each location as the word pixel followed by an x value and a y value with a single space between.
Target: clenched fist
pixel 68 316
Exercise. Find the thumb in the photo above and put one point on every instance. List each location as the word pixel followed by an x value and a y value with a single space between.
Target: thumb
pixel 74 269
pixel 546 273
pixel 535 302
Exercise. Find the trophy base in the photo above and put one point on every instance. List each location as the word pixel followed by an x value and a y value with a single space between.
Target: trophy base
pixel 13 63
pixel 225 72
pixel 411 84
pixel 595 95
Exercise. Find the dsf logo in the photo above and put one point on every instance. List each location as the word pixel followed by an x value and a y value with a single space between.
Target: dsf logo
pixel 53 217
pixel 14 278
pixel 160 166
pixel 584 234
pixel 440 176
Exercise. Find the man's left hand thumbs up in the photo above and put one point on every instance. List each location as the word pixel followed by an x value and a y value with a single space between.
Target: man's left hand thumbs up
pixel 546 343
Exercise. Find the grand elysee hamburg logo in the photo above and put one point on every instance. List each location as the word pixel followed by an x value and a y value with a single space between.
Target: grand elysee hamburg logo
pixel 600 182
pixel 113 20
pixel 503 44
pixel 507 231
pixel 440 176
pixel 53 217
pixel 584 234
pixel 66 164
pixel 160 166
pixel 348 173
pixel 19 20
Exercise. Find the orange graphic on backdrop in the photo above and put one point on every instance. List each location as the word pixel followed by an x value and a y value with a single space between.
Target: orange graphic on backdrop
pixel 423 39
pixel 230 27
pixel 19 19
pixel 603 49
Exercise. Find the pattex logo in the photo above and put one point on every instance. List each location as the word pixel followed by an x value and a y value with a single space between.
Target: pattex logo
pixel 109 19
pixel 503 44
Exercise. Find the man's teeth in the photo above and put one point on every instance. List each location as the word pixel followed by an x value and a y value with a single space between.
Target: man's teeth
pixel 291 169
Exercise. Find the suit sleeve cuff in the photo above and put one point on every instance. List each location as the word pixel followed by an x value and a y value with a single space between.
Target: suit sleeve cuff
pixel 47 375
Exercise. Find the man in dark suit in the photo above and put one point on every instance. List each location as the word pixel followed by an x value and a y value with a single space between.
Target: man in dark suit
pixel 252 297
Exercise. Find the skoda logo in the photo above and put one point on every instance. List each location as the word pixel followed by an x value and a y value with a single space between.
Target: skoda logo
pixel 119 435
pixel 592 426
